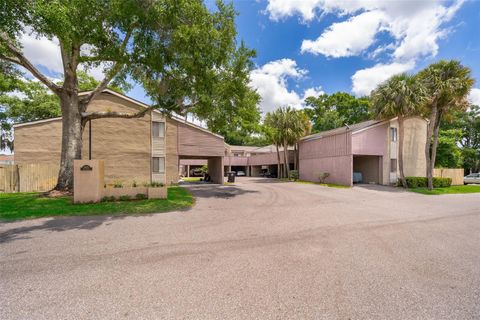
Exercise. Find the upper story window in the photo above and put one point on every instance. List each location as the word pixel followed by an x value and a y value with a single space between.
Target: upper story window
pixel 393 134
pixel 158 129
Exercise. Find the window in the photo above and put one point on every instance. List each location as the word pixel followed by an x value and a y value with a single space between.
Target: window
pixel 393 134
pixel 393 165
pixel 158 165
pixel 158 129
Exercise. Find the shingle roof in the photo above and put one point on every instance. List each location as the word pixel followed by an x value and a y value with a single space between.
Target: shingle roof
pixel 352 128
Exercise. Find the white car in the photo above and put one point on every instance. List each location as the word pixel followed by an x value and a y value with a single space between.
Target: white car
pixel 240 173
pixel 472 178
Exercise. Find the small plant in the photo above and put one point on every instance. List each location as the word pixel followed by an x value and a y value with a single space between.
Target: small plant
pixel 134 184
pixel 322 176
pixel 293 175
pixel 108 199
pixel 146 184
pixel 117 184
pixel 141 196
pixel 156 184
pixel 124 198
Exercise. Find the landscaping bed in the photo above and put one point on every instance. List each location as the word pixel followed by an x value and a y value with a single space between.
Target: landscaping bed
pixel 17 206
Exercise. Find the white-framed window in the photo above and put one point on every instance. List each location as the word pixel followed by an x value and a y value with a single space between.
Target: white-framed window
pixel 158 129
pixel 393 134
pixel 158 165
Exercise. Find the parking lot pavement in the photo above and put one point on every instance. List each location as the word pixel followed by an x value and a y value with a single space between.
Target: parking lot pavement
pixel 257 249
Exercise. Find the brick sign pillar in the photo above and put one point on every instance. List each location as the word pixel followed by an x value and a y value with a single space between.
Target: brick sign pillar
pixel 88 180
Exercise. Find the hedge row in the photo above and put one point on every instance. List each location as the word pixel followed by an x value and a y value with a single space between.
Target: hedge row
pixel 422 182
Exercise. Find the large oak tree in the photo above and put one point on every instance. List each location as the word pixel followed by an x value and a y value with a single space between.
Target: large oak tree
pixel 178 50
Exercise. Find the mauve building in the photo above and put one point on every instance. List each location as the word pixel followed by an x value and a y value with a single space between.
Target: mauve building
pixel 365 152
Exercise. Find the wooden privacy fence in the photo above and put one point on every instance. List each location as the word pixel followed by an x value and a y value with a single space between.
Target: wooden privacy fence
pixel 455 174
pixel 33 177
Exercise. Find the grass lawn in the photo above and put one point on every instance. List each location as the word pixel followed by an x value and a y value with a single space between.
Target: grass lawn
pixel 191 179
pixel 471 188
pixel 16 206
pixel 331 185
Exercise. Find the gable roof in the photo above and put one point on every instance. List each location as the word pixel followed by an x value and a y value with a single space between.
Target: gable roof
pixel 126 98
pixel 352 128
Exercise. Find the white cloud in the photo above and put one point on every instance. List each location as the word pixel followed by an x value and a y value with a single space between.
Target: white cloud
pixel 45 52
pixel 474 96
pixel 347 38
pixel 365 80
pixel 42 51
pixel 270 81
pixel 416 26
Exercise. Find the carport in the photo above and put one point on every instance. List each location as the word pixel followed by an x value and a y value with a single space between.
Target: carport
pixel 367 169
pixel 196 144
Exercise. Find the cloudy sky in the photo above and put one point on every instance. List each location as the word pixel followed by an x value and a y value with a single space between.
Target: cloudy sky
pixel 305 47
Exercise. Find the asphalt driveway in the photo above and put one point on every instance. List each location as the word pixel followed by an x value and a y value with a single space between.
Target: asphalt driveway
pixel 258 249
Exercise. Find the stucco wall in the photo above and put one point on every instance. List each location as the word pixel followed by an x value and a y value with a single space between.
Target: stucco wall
pixel 332 154
pixel 38 143
pixel 193 141
pixel 172 160
pixel 124 144
pixel 414 162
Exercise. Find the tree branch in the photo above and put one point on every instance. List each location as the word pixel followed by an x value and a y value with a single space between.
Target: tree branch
pixel 112 114
pixel 21 60
pixel 111 73
pixel 86 116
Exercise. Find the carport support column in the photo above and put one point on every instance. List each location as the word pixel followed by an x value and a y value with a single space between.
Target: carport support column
pixel 188 170
pixel 215 169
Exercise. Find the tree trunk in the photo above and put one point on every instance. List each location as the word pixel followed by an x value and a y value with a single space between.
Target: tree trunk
pixel 433 155
pixel 278 161
pixel 400 151
pixel 285 159
pixel 295 163
pixel 72 130
pixel 428 145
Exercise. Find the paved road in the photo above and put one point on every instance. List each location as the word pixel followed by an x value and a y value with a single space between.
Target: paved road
pixel 253 250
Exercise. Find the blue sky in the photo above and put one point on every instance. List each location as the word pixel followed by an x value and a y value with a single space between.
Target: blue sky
pixel 306 47
pixel 412 33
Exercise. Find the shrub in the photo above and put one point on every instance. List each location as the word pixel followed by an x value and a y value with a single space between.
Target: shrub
pixel 108 199
pixel 293 175
pixel 156 184
pixel 322 176
pixel 141 196
pixel 422 182
pixel 124 198
pixel 117 184
pixel 134 184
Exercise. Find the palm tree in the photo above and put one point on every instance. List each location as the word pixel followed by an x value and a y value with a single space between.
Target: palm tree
pixel 271 125
pixel 400 96
pixel 448 84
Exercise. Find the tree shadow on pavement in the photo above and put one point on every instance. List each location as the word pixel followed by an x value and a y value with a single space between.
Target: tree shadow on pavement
pixel 380 188
pixel 56 224
pixel 217 191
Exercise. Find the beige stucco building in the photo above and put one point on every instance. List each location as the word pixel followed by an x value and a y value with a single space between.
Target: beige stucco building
pixel 143 149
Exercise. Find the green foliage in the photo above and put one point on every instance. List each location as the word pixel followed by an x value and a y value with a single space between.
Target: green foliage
pixel 204 169
pixel 117 184
pixel 449 154
pixel 17 206
pixel 124 198
pixel 141 196
pixel 449 190
pixel 293 175
pixel 322 176
pixel 156 184
pixel 332 111
pixel 422 182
